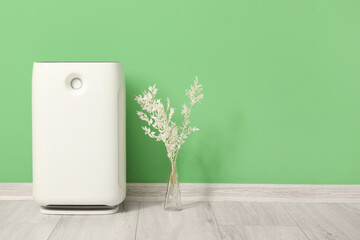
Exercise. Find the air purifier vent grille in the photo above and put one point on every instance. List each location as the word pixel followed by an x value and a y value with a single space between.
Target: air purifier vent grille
pixel 78 207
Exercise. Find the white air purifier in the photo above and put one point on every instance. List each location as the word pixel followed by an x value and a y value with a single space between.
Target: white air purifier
pixel 78 122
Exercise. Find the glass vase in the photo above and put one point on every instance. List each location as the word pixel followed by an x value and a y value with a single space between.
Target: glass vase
pixel 173 195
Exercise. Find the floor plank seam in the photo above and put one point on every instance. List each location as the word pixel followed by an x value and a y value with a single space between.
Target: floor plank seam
pixel 289 214
pixel 55 227
pixel 137 222
pixel 217 224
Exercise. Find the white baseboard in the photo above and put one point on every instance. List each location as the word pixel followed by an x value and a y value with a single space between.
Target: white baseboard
pixel 15 191
pixel 219 192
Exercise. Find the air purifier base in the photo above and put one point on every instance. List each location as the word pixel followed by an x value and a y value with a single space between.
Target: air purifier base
pixel 81 210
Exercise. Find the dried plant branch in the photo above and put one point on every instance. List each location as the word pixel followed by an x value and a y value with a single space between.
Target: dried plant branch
pixel 161 127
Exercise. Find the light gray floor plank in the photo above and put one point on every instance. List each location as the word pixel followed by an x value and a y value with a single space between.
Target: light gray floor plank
pixel 25 231
pixel 22 220
pixel 251 214
pixel 194 222
pixel 262 233
pixel 352 209
pixel 326 221
pixel 120 226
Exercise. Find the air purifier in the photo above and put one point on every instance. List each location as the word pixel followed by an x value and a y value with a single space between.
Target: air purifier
pixel 78 122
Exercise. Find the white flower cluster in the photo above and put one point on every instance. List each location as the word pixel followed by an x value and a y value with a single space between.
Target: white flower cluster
pixel 159 120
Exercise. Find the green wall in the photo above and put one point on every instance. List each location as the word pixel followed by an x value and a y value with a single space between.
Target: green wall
pixel 281 81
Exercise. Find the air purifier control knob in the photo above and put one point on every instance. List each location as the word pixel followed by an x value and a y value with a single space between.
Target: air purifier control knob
pixel 76 83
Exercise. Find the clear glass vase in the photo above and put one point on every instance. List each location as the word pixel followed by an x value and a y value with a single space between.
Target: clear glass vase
pixel 173 195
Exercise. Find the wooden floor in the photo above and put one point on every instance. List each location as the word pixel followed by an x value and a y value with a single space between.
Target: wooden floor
pixel 199 220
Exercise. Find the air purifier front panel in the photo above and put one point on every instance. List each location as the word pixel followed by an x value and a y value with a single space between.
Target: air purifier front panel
pixel 78 133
